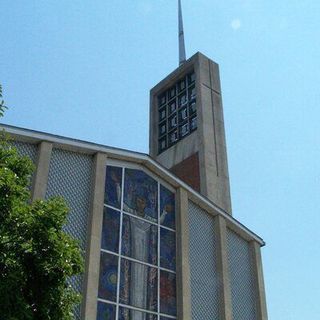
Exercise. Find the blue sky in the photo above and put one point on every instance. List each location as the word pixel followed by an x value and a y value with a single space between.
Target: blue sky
pixel 84 69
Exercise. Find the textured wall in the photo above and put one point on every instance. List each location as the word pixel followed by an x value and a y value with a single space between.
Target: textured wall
pixel 70 176
pixel 242 278
pixel 203 268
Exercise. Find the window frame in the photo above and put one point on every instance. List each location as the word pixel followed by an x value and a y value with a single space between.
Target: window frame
pixel 125 165
pixel 185 97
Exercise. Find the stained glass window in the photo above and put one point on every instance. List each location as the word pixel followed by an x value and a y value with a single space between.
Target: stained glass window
pixel 167 249
pixel 139 239
pixel 138 285
pixel 140 195
pixel 108 277
pixel 127 314
pixel 106 311
pixel 168 293
pixel 113 186
pixel 167 208
pixel 110 230
pixel 138 258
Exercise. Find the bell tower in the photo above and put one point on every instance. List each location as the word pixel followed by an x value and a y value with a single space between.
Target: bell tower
pixel 187 132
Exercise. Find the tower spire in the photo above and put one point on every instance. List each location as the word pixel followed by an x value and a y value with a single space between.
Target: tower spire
pixel 182 49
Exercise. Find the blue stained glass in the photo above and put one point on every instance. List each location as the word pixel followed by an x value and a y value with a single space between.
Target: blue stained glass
pixel 139 240
pixel 110 230
pixel 106 311
pixel 108 277
pixel 138 285
pixel 128 314
pixel 167 208
pixel 140 195
pixel 112 194
pixel 168 293
pixel 167 249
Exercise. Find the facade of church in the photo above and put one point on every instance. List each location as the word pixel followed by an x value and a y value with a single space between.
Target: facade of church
pixel 157 231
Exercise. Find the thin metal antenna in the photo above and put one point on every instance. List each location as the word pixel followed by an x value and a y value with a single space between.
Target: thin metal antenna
pixel 182 49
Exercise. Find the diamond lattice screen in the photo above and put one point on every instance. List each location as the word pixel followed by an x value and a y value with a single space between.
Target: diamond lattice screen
pixel 27 149
pixel 242 278
pixel 203 269
pixel 70 176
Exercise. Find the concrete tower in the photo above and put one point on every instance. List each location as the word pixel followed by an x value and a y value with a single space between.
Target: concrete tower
pixel 187 132
pixel 186 125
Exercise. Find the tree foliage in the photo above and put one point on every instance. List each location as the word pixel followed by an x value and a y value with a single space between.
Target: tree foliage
pixel 2 105
pixel 36 255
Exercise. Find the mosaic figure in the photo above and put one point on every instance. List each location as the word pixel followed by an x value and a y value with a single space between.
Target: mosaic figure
pixel 167 208
pixel 140 195
pixel 138 281
pixel 132 195
pixel 139 239
pixel 138 287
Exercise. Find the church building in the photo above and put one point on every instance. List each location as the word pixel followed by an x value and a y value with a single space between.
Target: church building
pixel 157 230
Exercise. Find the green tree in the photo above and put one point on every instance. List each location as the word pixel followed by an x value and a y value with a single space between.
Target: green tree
pixel 2 106
pixel 36 255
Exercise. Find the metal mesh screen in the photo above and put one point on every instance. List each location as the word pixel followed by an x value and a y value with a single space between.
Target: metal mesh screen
pixel 27 149
pixel 242 280
pixel 70 176
pixel 203 269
